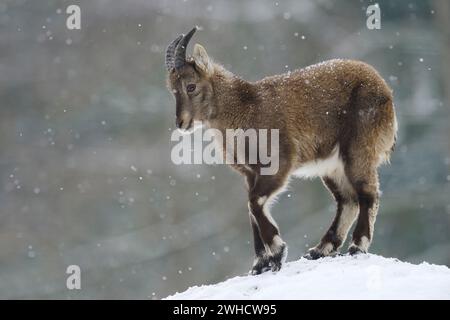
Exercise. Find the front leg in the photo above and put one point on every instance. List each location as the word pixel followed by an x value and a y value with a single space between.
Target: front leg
pixel 271 250
pixel 261 263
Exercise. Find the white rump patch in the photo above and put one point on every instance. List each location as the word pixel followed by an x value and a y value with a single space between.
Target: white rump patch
pixel 330 166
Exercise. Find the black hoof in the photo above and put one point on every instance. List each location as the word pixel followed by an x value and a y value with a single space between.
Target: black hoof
pixel 266 263
pixel 313 254
pixel 276 264
pixel 354 250
pixel 261 264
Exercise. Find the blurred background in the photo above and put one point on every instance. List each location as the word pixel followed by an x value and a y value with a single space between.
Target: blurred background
pixel 85 124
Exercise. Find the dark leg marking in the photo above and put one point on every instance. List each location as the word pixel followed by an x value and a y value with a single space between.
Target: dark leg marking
pixel 368 197
pixel 346 212
pixel 260 263
pixel 264 188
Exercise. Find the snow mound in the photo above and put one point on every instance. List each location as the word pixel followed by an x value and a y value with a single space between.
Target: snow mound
pixel 344 277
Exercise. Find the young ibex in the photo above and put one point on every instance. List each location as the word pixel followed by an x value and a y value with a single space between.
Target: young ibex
pixel 336 121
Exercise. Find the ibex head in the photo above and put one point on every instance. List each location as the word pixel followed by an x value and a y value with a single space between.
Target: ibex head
pixel 190 81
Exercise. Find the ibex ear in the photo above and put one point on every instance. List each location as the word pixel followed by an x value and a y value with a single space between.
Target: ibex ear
pixel 202 61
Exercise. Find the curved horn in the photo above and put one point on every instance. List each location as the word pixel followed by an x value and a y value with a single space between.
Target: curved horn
pixel 180 51
pixel 170 53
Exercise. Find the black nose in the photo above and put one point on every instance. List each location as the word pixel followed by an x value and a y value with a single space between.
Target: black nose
pixel 179 123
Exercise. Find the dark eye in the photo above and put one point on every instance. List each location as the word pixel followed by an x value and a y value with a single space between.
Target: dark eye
pixel 190 87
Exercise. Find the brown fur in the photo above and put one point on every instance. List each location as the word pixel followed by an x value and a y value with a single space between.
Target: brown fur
pixel 342 103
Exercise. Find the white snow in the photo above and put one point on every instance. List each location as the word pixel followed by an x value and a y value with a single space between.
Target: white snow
pixel 344 277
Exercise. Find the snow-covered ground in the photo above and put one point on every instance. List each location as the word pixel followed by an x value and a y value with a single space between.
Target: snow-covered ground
pixel 345 277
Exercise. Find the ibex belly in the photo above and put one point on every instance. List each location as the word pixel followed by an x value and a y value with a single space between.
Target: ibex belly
pixel 329 166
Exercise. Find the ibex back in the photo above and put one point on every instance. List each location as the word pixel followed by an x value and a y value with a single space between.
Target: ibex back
pixel 336 121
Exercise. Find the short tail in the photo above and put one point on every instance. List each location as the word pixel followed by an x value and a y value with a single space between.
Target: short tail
pixel 388 154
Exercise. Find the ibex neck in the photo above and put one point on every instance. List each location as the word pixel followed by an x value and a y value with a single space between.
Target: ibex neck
pixel 233 99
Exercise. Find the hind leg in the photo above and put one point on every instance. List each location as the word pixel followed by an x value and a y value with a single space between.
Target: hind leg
pixel 363 176
pixel 368 198
pixel 347 210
